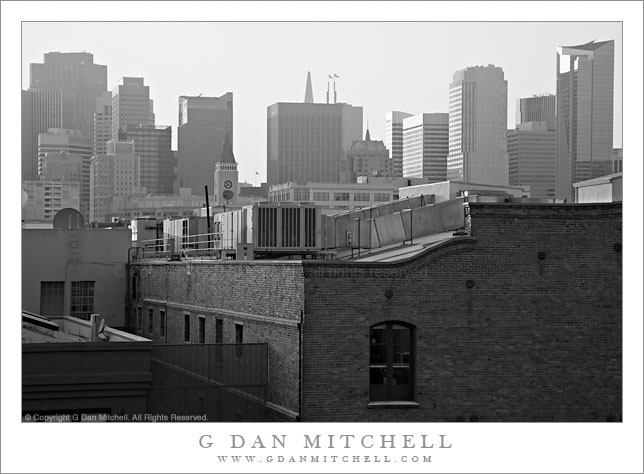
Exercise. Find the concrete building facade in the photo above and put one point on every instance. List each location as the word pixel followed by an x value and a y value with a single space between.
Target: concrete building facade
pixel 203 123
pixel 131 105
pixel 585 83
pixel 68 148
pixel 76 73
pixel 366 158
pixel 102 123
pixel 478 98
pixel 153 146
pixel 112 175
pixel 75 272
pixel 532 160
pixel 46 198
pixel 308 141
pixel 425 146
pixel 538 108
pixel 42 110
pixel 394 139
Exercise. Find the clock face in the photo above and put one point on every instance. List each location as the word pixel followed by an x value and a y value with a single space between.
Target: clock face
pixel 228 184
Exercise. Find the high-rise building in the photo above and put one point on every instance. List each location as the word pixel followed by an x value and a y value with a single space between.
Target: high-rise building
pixel 203 123
pixel 131 105
pixel 226 177
pixel 113 174
pixel 153 145
pixel 585 76
pixel 63 149
pixel 478 104
pixel 366 158
pixel 102 123
pixel 539 108
pixel 42 110
pixel 531 151
pixel 308 141
pixel 394 139
pixel 76 73
pixel 425 146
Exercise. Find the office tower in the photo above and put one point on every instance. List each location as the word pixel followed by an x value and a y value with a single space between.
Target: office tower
pixel 42 110
pixel 153 145
pixel 539 108
pixel 478 103
pixel 618 159
pixel 102 123
pixel 585 75
pixel 394 139
pixel 203 123
pixel 425 146
pixel 531 156
pixel 226 176
pixel 366 158
pixel 131 105
pixel 113 175
pixel 66 149
pixel 308 141
pixel 76 73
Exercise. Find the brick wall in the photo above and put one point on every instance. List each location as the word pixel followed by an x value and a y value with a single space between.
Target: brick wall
pixel 265 297
pixel 536 336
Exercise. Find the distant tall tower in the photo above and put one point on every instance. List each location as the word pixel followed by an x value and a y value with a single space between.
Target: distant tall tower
pixel 366 158
pixel 226 176
pixel 478 98
pixel 102 123
pixel 425 145
pixel 42 110
pixel 539 108
pixel 153 145
pixel 203 122
pixel 76 73
pixel 131 105
pixel 308 141
pixel 585 76
pixel 394 139
pixel 531 157
pixel 308 95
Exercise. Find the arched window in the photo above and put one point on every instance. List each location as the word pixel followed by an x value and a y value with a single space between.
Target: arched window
pixel 391 370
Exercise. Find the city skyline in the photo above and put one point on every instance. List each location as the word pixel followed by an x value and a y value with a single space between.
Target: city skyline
pixel 365 80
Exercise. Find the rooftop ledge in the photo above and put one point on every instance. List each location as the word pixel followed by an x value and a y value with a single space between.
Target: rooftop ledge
pixel 399 404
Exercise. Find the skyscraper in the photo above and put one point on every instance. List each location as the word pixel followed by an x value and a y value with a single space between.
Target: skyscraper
pixel 113 175
pixel 308 141
pixel 102 123
pixel 42 110
pixel 203 123
pixel 226 176
pixel 131 105
pixel 69 150
pixel 478 98
pixel 531 152
pixel 153 146
pixel 366 158
pixel 425 146
pixel 539 108
pixel 585 76
pixel 394 139
pixel 76 73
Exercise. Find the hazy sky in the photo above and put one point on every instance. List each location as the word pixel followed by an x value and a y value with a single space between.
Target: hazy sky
pixel 383 66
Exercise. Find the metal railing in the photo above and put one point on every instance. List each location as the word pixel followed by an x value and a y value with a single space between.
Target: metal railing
pixel 188 246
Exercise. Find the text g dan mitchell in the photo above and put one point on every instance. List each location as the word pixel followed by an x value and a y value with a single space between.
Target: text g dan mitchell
pixel 346 441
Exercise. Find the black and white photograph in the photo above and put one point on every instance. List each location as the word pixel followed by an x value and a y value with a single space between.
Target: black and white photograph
pixel 322 236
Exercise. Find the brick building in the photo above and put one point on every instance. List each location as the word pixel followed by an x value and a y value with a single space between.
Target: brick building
pixel 519 321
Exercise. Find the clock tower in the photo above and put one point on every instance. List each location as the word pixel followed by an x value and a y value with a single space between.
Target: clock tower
pixel 226 177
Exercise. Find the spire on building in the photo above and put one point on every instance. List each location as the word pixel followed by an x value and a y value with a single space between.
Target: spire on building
pixel 367 137
pixel 308 96
pixel 227 152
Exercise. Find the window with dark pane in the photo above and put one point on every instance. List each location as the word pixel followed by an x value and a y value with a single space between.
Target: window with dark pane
pixel 391 362
pixel 52 298
pixel 82 299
